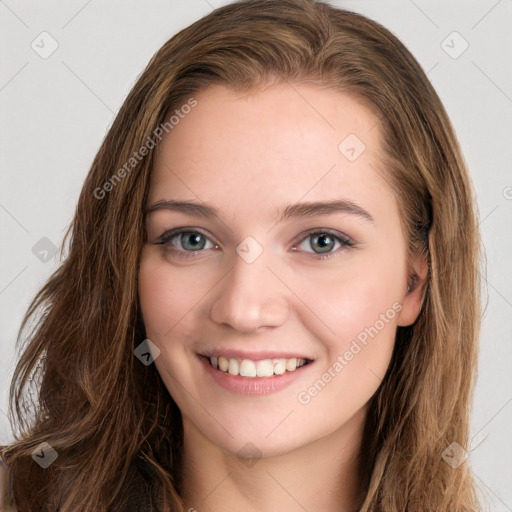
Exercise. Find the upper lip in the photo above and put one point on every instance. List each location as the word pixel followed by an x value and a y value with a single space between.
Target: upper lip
pixel 253 355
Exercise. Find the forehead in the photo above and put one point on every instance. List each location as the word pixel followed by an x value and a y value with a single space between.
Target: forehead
pixel 273 145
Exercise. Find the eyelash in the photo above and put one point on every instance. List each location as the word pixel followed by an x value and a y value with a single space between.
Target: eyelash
pixel 166 238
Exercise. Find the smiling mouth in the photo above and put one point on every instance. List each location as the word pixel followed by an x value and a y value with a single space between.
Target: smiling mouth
pixel 251 369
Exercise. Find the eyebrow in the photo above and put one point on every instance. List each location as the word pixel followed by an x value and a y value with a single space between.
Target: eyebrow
pixel 297 210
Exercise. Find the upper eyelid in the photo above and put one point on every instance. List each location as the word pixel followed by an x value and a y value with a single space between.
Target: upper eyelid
pixel 170 233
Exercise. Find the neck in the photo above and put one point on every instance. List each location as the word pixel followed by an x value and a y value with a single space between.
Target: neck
pixel 323 475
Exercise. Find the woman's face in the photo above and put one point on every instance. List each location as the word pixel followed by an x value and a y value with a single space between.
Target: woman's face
pixel 273 241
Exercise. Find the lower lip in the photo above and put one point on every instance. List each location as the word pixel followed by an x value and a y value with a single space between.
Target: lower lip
pixel 255 386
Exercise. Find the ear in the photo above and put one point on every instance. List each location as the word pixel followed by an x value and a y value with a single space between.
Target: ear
pixel 414 293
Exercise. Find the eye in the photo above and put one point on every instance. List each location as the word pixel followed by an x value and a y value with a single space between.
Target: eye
pixel 323 243
pixel 188 243
pixel 183 243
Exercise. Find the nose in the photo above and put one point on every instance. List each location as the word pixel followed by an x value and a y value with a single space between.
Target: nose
pixel 250 297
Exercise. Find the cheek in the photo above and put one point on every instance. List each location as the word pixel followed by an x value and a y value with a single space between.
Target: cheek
pixel 166 295
pixel 352 297
pixel 168 298
pixel 355 359
pixel 358 311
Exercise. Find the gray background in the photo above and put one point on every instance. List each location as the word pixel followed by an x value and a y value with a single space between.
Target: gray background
pixel 56 110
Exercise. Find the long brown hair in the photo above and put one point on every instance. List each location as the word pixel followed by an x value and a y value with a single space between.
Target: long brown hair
pixel 116 430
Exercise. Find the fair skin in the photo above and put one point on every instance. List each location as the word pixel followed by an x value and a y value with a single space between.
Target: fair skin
pixel 250 155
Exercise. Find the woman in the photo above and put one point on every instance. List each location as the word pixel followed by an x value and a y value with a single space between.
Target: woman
pixel 270 299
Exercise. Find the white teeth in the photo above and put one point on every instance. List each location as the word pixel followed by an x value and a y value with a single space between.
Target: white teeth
pixel 280 366
pixel 291 364
pixel 249 368
pixel 233 367
pixel 264 368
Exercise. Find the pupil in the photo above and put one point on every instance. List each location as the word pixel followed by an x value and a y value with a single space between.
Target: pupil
pixel 194 241
pixel 324 246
